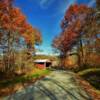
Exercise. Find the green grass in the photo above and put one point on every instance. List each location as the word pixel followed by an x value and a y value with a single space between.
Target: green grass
pixel 86 71
pixel 24 78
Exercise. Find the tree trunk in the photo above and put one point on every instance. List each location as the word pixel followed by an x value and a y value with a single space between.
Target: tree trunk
pixel 10 52
pixel 81 57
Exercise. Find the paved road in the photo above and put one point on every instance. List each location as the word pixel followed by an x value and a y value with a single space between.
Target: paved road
pixel 59 85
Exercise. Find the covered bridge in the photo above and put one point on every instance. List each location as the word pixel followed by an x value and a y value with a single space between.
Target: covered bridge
pixel 42 63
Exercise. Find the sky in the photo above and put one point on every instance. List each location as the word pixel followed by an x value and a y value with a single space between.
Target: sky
pixel 46 15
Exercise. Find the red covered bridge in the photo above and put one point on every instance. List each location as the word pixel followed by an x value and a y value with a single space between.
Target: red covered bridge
pixel 42 63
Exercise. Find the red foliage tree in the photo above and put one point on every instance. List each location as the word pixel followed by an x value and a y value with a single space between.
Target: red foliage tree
pixel 72 28
pixel 13 25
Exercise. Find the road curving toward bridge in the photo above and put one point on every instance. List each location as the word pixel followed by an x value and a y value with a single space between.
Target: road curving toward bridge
pixel 58 85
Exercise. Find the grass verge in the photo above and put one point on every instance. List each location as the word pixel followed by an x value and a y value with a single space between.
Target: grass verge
pixel 81 73
pixel 25 78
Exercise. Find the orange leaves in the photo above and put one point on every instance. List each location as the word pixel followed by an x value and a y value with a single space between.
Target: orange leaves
pixel 18 19
pixel 93 59
pixel 65 41
pixel 75 8
pixel 32 35
pixel 2 5
pixel 12 19
pixel 74 21
pixel 28 34
pixel 5 19
pixel 72 9
pixel 18 22
pixel 83 9
pixel 6 26
pixel 14 12
pixel 1 14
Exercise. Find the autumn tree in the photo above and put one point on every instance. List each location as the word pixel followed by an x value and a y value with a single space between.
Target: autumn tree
pixel 73 28
pixel 14 27
pixel 91 37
